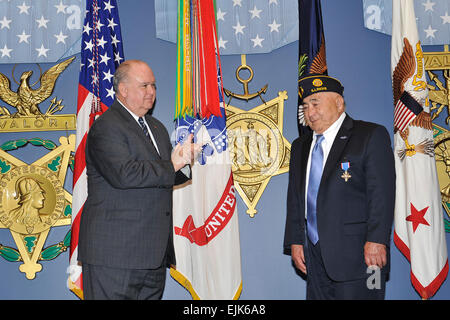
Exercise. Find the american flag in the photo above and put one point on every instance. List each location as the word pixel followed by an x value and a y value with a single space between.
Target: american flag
pixel 432 18
pixel 101 54
pixel 406 110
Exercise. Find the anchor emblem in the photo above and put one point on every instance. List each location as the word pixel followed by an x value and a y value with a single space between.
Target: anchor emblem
pixel 246 96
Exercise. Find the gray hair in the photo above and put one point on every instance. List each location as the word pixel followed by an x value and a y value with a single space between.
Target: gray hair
pixel 120 75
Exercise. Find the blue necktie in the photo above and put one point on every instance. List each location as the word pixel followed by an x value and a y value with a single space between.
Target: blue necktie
pixel 144 127
pixel 315 174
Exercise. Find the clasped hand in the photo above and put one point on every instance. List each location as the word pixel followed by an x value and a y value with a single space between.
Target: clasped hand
pixel 184 153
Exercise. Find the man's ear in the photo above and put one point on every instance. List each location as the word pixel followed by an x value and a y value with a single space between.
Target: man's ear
pixel 123 90
pixel 340 103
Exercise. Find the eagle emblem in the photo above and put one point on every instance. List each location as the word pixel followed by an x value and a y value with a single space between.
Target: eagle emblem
pixel 410 96
pixel 26 99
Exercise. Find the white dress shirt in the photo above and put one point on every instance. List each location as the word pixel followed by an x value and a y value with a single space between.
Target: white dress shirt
pixel 329 136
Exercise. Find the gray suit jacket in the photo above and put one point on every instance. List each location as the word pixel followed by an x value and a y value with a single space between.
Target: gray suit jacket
pixel 127 218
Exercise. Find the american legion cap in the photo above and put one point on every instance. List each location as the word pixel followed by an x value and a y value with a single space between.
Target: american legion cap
pixel 315 83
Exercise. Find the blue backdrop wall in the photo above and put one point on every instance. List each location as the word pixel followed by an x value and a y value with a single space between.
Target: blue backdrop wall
pixel 358 57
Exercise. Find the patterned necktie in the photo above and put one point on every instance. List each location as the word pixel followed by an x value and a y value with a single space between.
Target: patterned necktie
pixel 144 127
pixel 147 133
pixel 315 175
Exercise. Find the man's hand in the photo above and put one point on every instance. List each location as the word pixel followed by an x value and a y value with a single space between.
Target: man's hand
pixel 185 153
pixel 298 257
pixel 375 254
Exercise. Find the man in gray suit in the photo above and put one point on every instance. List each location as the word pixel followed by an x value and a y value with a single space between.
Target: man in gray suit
pixel 125 240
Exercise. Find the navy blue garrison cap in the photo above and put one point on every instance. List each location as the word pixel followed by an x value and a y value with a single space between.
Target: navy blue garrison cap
pixel 314 83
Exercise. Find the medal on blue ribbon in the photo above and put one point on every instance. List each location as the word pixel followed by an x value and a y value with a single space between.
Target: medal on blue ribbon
pixel 345 166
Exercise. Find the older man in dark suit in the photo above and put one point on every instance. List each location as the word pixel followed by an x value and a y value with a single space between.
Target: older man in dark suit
pixel 125 239
pixel 340 203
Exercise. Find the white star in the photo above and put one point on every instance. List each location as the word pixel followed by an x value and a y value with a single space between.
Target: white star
pixel 430 32
pixel 110 92
pixel 86 28
pixel 89 45
pixel 111 23
pixel 60 37
pixel 257 41
pixel 238 28
pixel 255 12
pixel 5 22
pixel 446 18
pixel 117 57
pixel 105 58
pixel 428 5
pixel 23 8
pixel 5 51
pixel 101 42
pixel 107 76
pixel 222 43
pixel 94 79
pixel 98 25
pixel 42 22
pixel 42 51
pixel 108 6
pixel 221 14
pixel 237 3
pixel 23 37
pixel 274 26
pixel 114 40
pixel 91 63
pixel 60 7
pixel 273 1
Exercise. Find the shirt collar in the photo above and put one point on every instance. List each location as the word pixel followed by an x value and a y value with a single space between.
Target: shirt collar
pixel 332 131
pixel 131 112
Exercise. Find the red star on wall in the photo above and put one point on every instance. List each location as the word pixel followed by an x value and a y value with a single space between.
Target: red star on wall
pixel 417 217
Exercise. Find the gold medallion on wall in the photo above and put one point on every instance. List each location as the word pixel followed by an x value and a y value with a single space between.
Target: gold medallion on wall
pixel 437 65
pixel 33 199
pixel 258 149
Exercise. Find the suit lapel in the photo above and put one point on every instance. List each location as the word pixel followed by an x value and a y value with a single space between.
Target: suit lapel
pixel 133 126
pixel 338 146
pixel 157 136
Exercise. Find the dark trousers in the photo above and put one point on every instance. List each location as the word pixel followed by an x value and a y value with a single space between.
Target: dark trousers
pixel 319 286
pixel 105 283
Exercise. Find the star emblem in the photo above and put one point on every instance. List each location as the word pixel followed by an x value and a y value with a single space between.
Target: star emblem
pixel 417 217
pixel 238 28
pixel 267 152
pixel 257 41
pixel 42 22
pixel 5 23
pixel 42 51
pixel 430 31
pixel 23 37
pixel 5 51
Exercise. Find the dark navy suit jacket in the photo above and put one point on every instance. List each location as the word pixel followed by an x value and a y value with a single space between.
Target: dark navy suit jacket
pixel 348 213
